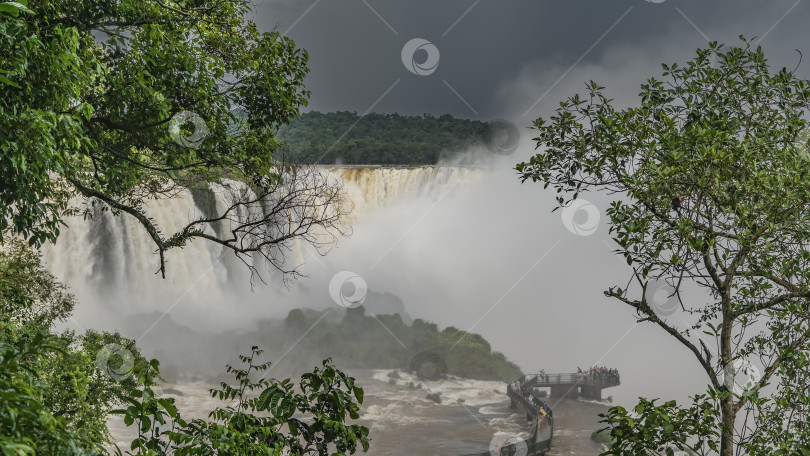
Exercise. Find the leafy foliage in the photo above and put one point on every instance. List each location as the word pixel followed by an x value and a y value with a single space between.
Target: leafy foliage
pixel 29 293
pixel 124 102
pixel 64 368
pixel 675 429
pixel 27 426
pixel 711 169
pixel 57 392
pixel 313 416
pixel 170 96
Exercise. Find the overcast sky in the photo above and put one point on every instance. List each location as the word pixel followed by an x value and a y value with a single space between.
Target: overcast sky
pixel 514 59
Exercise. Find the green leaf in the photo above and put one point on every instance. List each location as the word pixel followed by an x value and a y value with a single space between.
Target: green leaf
pixel 4 79
pixel 14 8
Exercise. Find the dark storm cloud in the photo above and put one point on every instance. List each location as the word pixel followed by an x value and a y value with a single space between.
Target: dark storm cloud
pixel 497 58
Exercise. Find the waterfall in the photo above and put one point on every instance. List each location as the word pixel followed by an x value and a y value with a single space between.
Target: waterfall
pixel 110 261
pixel 370 188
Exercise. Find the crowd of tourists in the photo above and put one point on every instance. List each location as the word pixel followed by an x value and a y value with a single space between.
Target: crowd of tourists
pixel 598 373
pixel 593 373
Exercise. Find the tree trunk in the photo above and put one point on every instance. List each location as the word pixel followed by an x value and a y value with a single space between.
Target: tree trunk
pixel 727 414
pixel 727 429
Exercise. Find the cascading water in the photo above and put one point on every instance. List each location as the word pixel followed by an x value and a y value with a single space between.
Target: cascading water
pixel 110 262
pixel 111 259
pixel 369 188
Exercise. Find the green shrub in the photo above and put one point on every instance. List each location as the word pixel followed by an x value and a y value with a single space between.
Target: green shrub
pixel 314 413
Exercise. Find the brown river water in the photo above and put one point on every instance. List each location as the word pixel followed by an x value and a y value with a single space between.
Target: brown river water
pixel 472 417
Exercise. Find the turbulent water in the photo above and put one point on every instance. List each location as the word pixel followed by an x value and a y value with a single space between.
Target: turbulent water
pixel 473 416
pixel 109 263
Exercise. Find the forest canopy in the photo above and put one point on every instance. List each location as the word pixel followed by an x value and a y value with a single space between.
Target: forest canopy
pixel 379 139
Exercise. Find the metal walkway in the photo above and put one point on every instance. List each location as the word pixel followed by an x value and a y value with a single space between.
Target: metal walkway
pixel 540 440
pixel 561 385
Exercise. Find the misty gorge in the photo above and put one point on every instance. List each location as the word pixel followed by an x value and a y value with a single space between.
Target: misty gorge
pixel 205 312
pixel 470 228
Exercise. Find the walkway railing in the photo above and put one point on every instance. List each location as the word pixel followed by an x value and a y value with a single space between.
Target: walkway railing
pixel 532 445
pixel 577 378
pixel 515 392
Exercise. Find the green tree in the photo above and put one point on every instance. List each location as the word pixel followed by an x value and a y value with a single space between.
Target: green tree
pixel 70 382
pixel 27 426
pixel 29 294
pixel 712 197
pixel 57 391
pixel 123 102
pixel 295 421
pixel 132 100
